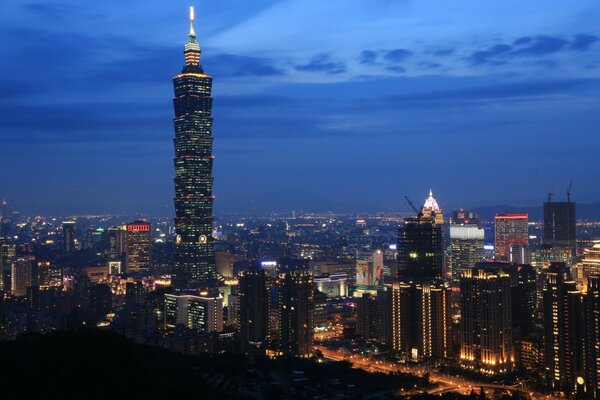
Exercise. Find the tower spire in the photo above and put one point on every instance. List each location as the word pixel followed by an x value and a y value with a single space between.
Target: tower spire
pixel 192 17
pixel 192 47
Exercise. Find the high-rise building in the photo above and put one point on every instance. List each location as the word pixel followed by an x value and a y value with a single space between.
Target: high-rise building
pixel 199 313
pixel 559 225
pixel 590 263
pixel 433 321
pixel 116 243
pixel 135 294
pixel 466 242
pixel 563 314
pixel 224 263
pixel 194 259
pixel 4 209
pixel 296 307
pixel 369 272
pixel 592 337
pixel 486 345
pixel 510 229
pixel 68 228
pixel 366 316
pixel 7 257
pixel 254 288
pixel 420 319
pixel 22 274
pixel 138 246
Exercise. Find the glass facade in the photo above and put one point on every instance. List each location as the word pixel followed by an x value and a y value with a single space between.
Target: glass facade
pixel 194 258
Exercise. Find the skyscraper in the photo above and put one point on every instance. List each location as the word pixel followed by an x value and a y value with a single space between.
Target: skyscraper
pixel 466 242
pixel 592 337
pixel 254 301
pixel 138 246
pixel 486 320
pixel 296 307
pixel 511 229
pixel 194 258
pixel 420 248
pixel 563 313
pixel 559 225
pixel 68 228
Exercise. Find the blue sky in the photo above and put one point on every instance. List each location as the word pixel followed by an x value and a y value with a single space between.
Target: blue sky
pixel 337 104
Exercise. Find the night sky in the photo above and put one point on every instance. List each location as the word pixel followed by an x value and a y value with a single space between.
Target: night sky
pixel 318 104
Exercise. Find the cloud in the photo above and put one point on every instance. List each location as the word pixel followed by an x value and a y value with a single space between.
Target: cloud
pixel 368 57
pixel 229 65
pixel 532 46
pixel 397 55
pixel 583 42
pixel 321 63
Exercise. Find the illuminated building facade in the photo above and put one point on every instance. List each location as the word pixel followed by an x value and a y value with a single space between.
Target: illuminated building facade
pixel 369 272
pixel 466 242
pixel 333 285
pixel 563 314
pixel 22 274
pixel 194 259
pixel 199 313
pixel 254 289
pixel 433 321
pixel 224 263
pixel 592 337
pixel 590 263
pixel 116 243
pixel 559 225
pixel 296 308
pixel 7 257
pixel 138 246
pixel 486 321
pixel 510 230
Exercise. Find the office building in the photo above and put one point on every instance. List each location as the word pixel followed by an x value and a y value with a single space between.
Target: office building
pixel 433 321
pixel 510 230
pixel 559 225
pixel 135 294
pixel 7 258
pixel 138 246
pixel 421 246
pixel 366 316
pixel 68 228
pixel 296 308
pixel 22 275
pixel 466 243
pixel 199 313
pixel 224 263
pixel 194 266
pixel 369 272
pixel 590 263
pixel 486 340
pixel 116 243
pixel 254 290
pixel 333 285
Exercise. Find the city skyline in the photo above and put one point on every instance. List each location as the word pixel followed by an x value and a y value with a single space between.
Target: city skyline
pixel 288 135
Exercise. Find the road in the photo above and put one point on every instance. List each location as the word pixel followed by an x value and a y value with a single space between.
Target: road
pixel 444 382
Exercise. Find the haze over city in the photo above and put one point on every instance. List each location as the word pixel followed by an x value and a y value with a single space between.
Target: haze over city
pixel 336 105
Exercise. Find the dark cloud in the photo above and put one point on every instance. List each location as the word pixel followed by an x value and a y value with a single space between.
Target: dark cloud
pixel 484 56
pixel 368 57
pixel 583 42
pixel 532 46
pixel 321 63
pixel 539 46
pixel 398 55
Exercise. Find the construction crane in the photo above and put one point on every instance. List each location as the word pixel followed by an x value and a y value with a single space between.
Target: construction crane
pixel 569 189
pixel 412 205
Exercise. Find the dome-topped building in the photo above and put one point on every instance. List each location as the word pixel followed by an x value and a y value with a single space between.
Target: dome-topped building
pixel 431 209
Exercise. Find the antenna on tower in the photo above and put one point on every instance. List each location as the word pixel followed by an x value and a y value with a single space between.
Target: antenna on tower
pixel 569 189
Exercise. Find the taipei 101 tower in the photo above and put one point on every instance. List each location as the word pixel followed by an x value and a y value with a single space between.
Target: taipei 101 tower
pixel 194 258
